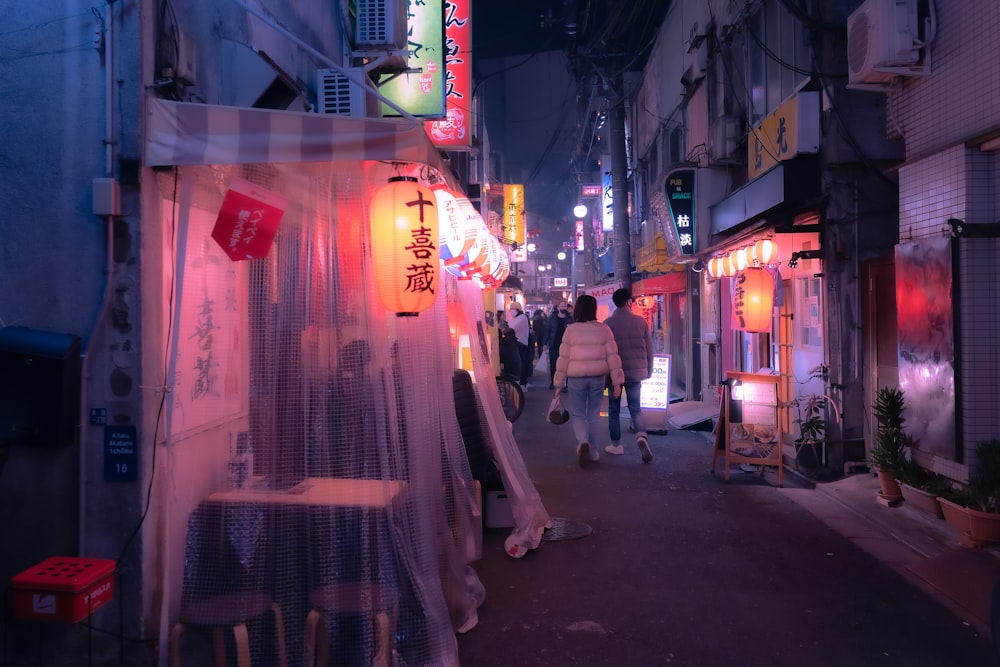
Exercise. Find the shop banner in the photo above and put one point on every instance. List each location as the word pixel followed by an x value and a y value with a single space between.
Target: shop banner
pixel 420 94
pixel 454 132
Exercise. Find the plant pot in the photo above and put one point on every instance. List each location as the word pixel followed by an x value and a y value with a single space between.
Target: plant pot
pixel 922 500
pixel 890 485
pixel 956 515
pixel 984 527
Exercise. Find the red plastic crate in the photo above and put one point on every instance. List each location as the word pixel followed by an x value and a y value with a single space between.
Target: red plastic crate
pixel 63 588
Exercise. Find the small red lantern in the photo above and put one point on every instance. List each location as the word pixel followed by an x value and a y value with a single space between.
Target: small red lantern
pixel 753 300
pixel 404 226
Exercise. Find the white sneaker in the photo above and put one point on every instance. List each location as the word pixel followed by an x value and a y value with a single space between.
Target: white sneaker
pixel 617 450
pixel 644 450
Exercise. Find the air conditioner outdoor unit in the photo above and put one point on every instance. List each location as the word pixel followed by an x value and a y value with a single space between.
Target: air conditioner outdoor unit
pixel 380 23
pixel 887 39
pixel 723 136
pixel 337 94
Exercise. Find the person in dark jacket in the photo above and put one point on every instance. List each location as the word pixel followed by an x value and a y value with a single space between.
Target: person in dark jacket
pixel 554 330
pixel 635 347
pixel 538 322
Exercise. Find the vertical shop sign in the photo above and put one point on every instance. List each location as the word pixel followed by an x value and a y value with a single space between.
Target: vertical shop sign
pixel 421 94
pixel 607 196
pixel 679 189
pixel 453 131
pixel 513 214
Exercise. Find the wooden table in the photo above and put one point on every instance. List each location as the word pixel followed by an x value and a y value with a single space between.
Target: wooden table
pixel 319 491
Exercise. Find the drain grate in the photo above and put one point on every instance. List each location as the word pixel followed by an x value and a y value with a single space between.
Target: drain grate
pixel 565 529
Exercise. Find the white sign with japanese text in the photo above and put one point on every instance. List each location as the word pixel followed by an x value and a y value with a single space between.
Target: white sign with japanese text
pixel 655 394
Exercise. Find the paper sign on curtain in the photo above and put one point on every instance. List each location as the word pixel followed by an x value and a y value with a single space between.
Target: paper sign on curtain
pixel 248 220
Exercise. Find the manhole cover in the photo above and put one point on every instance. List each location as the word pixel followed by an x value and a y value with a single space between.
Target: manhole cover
pixel 565 529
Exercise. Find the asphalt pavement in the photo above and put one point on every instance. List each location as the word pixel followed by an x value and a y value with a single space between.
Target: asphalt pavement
pixel 668 564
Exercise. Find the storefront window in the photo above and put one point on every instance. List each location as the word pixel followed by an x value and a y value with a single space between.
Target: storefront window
pixel 809 312
pixel 778 56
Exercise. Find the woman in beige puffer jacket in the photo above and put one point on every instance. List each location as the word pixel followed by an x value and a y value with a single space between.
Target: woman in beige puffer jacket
pixel 587 355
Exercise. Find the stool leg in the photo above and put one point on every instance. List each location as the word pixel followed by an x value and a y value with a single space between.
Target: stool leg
pixel 175 643
pixel 383 646
pixel 279 630
pixel 314 623
pixel 323 652
pixel 219 646
pixel 242 645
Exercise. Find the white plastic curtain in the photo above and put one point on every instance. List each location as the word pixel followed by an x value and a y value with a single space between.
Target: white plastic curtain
pixel 318 483
pixel 317 487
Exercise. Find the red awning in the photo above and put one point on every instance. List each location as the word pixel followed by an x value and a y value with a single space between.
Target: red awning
pixel 666 284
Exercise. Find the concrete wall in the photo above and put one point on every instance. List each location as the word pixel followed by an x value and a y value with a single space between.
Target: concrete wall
pixel 74 84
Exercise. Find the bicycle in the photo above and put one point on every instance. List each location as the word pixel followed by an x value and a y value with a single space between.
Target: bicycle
pixel 511 396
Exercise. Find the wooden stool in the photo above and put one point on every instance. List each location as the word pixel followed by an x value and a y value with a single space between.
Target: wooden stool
pixel 349 598
pixel 230 611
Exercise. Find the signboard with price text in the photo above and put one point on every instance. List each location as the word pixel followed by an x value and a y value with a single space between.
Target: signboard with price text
pixel 655 393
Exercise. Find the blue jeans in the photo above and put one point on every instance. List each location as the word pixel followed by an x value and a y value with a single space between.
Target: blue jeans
pixel 631 391
pixel 585 397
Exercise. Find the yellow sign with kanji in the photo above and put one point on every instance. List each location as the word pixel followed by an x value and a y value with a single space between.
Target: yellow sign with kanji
pixel 513 214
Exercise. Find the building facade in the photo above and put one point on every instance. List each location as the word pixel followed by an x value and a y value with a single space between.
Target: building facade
pixel 174 371
pixel 877 190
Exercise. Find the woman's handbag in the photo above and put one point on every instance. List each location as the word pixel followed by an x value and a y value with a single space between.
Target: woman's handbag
pixel 557 413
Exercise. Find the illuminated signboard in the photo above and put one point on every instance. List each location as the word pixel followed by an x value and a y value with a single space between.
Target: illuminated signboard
pixel 655 391
pixel 513 214
pixel 587 191
pixel 791 130
pixel 423 93
pixel 578 236
pixel 679 189
pixel 607 197
pixel 454 130
pixel 560 282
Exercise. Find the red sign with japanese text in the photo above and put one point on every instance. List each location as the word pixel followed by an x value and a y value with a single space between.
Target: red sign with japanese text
pixel 248 220
pixel 454 131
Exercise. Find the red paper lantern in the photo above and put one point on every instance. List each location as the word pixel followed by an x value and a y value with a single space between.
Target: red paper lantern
pixel 404 226
pixel 753 300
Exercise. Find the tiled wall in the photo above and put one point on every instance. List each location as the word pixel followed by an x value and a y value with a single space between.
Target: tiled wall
pixel 960 182
pixel 942 117
pixel 960 99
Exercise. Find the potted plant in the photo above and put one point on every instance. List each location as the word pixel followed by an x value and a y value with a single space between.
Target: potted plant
pixel 888 456
pixel 984 488
pixel 954 502
pixel 810 418
pixel 921 488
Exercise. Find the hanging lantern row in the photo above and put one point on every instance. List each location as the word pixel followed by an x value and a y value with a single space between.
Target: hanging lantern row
pixel 417 230
pixel 762 253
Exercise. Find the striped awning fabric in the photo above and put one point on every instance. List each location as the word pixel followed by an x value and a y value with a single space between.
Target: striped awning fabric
pixel 185 133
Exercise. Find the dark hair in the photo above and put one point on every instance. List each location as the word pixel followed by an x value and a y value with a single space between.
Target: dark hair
pixel 585 309
pixel 621 296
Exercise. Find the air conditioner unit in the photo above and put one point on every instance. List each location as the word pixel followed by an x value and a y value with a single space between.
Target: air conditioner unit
pixel 723 136
pixel 887 39
pixel 380 23
pixel 337 94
